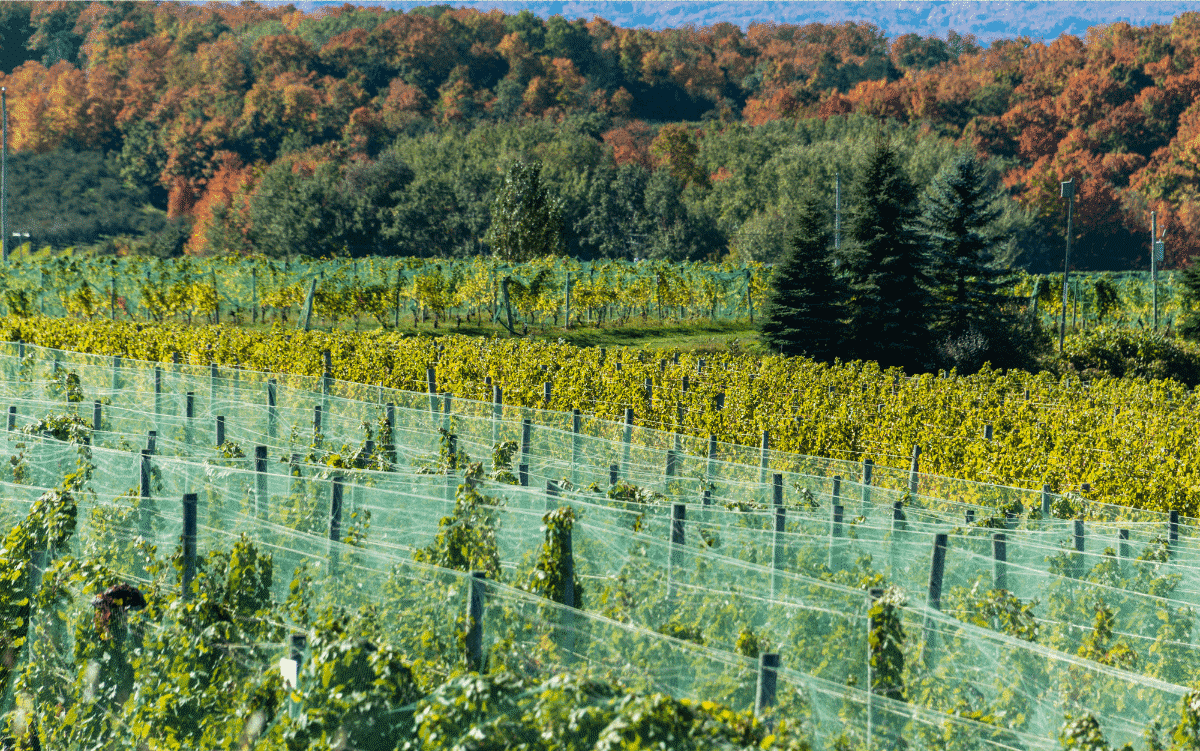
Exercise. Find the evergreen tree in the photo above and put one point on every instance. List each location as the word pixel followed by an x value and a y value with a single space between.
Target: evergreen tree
pixel 803 312
pixel 884 264
pixel 526 222
pixel 975 323
pixel 1189 322
pixel 959 212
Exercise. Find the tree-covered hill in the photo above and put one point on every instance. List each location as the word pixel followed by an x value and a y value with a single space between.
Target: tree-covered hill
pixel 202 104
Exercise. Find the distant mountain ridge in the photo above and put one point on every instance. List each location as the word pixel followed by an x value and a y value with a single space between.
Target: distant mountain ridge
pixel 988 21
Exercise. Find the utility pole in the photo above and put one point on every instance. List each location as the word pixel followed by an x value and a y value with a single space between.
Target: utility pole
pixel 1067 192
pixel 1157 254
pixel 837 210
pixel 4 178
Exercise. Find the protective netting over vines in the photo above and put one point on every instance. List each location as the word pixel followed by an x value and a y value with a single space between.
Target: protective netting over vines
pixel 902 605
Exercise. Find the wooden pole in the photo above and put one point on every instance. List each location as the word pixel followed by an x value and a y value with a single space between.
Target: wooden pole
pixel 764 697
pixel 189 544
pixel 272 407
pixel 146 509
pixel 261 498
pixel 476 592
pixel 999 561
pixel 306 314
pixel 335 520
pixel 626 441
pixel 937 570
pixel 777 542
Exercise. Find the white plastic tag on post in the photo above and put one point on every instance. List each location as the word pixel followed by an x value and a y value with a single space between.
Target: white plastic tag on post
pixel 290 670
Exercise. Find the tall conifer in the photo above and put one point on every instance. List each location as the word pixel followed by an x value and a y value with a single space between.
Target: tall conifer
pixel 884 264
pixel 803 312
pixel 958 223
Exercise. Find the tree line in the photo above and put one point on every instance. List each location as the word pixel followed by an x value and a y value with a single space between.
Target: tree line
pixel 187 96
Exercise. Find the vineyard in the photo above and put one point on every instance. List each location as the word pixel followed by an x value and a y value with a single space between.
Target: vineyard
pixel 642 579
pixel 1126 442
pixel 381 292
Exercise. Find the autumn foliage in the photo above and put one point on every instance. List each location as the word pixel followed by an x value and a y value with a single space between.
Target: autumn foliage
pixel 209 95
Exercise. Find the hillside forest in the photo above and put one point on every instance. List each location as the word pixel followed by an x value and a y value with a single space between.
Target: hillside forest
pixel 169 128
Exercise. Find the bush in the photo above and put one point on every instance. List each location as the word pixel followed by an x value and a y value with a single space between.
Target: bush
pixel 1137 353
pixel 1009 341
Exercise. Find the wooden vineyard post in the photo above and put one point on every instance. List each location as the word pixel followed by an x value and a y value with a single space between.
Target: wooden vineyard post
pixel 317 425
pixel 937 570
pixel 189 412
pixel 576 427
pixel 764 695
pixel 1045 501
pixel 146 506
pixel 476 593
pixel 969 517
pixel 335 521
pixel 431 388
pixel 389 417
pixel 669 470
pixel 116 374
pixel 12 418
pixel 497 413
pixel 212 386
pixel 523 475
pixel 763 456
pixel 97 419
pixel 914 472
pixel 1078 540
pixel 306 314
pixel 678 521
pixel 526 438
pixel 326 388
pixel 777 542
pixel 626 441
pixel 220 431
pixel 614 474
pixel 189 544
pixel 837 512
pixel 157 392
pixel 272 407
pixel 867 467
pixel 999 561
pixel 712 458
pixel 261 498
pixel 933 596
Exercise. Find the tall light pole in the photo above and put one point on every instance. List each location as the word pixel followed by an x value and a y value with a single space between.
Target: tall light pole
pixel 837 210
pixel 4 177
pixel 1156 254
pixel 1067 192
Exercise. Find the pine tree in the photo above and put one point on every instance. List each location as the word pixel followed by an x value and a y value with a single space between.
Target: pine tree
pixel 526 221
pixel 958 224
pixel 803 312
pixel 884 264
pixel 1189 322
